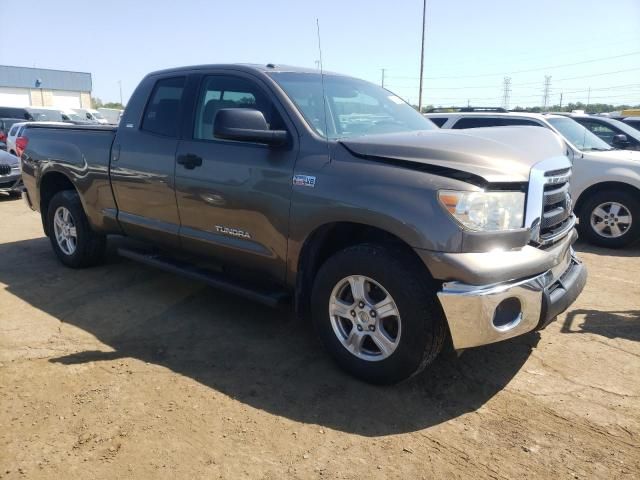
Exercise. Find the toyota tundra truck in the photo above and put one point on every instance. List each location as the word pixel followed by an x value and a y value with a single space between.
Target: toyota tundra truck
pixel 326 193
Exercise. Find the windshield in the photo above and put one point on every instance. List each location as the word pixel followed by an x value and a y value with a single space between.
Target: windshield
pixel 353 107
pixel 97 115
pixel 578 135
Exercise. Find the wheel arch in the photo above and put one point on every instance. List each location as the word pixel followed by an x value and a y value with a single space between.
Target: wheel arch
pixel 329 238
pixel 602 186
pixel 50 184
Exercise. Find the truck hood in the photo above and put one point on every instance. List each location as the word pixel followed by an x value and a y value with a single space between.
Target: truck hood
pixel 496 154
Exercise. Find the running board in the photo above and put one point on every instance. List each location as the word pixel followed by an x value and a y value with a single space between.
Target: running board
pixel 271 298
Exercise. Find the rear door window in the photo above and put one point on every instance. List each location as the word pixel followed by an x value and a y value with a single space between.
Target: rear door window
pixel 439 121
pixel 162 115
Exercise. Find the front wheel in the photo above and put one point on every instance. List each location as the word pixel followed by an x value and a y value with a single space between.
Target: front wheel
pixel 74 242
pixel 377 314
pixel 610 219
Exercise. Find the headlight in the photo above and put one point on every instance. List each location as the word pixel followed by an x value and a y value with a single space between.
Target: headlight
pixel 485 211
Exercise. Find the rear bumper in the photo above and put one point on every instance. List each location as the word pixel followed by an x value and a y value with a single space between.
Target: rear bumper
pixel 483 314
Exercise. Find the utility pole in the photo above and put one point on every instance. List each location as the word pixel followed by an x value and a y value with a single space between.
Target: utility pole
pixel 120 85
pixel 382 84
pixel 506 92
pixel 424 17
pixel 546 91
pixel 588 100
pixel 561 100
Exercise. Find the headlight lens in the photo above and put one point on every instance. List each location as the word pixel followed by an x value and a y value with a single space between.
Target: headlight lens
pixel 485 211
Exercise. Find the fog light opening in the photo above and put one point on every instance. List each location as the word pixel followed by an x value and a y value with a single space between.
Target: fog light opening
pixel 508 314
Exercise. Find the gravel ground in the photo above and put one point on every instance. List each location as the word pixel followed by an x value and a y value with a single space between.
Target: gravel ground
pixel 122 371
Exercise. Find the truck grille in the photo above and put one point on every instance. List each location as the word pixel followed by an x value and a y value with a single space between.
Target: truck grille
pixel 5 169
pixel 556 205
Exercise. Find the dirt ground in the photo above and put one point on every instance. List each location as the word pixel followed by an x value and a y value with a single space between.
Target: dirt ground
pixel 122 371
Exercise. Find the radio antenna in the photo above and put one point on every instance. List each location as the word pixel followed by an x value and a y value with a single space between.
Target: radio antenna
pixel 324 95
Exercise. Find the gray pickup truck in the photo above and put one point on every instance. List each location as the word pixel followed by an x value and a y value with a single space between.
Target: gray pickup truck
pixel 327 193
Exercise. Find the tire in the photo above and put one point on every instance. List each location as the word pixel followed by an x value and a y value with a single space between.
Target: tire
pixel 89 247
pixel 600 203
pixel 419 329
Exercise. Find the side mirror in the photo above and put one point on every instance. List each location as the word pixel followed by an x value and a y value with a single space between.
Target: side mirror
pixel 620 140
pixel 246 125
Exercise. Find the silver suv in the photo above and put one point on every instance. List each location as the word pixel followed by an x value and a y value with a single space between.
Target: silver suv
pixel 605 185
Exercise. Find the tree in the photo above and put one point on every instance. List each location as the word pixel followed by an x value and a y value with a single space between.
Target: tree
pixel 96 102
pixel 116 105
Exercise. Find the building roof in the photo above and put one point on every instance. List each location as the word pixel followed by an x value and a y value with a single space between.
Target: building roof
pixel 25 77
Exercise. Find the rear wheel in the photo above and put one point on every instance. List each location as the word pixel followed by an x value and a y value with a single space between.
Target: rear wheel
pixel 377 314
pixel 610 219
pixel 74 242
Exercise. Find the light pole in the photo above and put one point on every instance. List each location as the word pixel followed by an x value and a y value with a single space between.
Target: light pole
pixel 120 85
pixel 424 14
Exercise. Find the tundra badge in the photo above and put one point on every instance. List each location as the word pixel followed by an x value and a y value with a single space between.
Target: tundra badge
pixel 234 232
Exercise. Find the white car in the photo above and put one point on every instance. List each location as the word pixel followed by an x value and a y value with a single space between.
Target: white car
pixel 92 115
pixel 605 182
pixel 112 115
pixel 14 132
pixel 10 176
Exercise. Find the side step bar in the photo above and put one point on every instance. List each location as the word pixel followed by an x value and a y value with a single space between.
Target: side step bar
pixel 217 280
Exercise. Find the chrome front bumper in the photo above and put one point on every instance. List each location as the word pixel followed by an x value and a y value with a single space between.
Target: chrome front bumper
pixel 478 315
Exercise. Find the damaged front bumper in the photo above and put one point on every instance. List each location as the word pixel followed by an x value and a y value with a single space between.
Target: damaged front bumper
pixel 483 314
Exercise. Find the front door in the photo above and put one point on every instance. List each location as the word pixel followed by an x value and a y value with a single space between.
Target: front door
pixel 234 197
pixel 143 167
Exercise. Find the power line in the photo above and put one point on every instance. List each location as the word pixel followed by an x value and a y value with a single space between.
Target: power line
pixel 537 69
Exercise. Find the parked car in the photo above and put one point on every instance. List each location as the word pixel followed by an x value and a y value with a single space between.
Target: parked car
pixel 616 133
pixel 112 115
pixel 91 115
pixel 10 178
pixel 52 114
pixel 606 182
pixel 632 122
pixel 15 112
pixel 5 126
pixel 14 133
pixel 389 233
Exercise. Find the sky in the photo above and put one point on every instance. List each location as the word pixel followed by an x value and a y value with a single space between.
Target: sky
pixel 470 46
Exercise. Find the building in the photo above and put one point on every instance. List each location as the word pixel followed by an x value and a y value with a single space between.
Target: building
pixel 40 87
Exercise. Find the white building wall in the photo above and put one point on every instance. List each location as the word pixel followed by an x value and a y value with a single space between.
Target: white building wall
pixel 14 97
pixel 35 97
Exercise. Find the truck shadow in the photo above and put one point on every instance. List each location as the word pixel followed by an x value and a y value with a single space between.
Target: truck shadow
pixel 613 324
pixel 259 356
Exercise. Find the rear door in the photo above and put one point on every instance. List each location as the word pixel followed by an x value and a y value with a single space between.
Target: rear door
pixel 143 166
pixel 234 197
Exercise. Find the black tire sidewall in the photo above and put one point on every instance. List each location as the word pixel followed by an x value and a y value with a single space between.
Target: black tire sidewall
pixel 622 197
pixel 421 316
pixel 70 200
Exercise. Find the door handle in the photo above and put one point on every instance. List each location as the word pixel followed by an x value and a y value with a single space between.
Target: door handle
pixel 190 161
